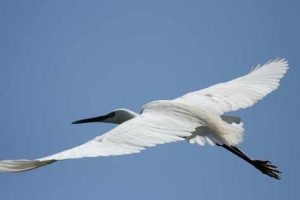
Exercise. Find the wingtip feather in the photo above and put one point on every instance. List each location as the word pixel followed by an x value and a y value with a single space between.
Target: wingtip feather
pixel 22 165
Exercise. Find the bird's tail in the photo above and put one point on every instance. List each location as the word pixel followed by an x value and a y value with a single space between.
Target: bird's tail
pixel 22 165
pixel 232 134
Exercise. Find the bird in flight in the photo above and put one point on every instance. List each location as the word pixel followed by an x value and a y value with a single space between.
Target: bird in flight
pixel 197 117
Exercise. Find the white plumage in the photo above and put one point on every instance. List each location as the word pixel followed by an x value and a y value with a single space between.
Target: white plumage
pixel 198 117
pixel 241 92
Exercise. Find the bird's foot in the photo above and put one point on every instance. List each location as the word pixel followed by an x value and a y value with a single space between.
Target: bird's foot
pixel 267 168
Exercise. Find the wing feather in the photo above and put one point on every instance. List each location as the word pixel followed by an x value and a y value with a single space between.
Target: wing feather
pixel 241 92
pixel 146 130
pixel 133 136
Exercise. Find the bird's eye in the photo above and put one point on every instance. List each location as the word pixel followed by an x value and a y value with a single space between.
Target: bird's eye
pixel 111 115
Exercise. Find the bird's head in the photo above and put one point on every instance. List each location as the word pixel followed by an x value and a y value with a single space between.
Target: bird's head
pixel 117 116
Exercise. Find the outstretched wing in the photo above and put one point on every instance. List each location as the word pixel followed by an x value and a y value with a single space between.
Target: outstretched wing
pixel 241 92
pixel 133 136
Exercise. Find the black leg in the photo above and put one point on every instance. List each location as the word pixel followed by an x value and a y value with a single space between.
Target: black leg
pixel 264 166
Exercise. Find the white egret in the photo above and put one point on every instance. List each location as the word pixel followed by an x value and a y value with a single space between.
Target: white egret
pixel 197 117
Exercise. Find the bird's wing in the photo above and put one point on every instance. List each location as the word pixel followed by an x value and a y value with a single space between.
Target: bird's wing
pixel 133 136
pixel 241 92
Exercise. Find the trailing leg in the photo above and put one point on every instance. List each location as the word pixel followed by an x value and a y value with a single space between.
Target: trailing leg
pixel 264 166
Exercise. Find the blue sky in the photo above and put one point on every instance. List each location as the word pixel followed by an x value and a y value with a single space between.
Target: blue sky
pixel 65 60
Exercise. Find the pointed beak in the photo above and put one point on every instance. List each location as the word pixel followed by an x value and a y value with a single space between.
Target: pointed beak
pixel 88 120
pixel 94 119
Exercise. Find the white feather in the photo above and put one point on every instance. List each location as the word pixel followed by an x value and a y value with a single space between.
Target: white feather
pixel 239 93
pixel 197 117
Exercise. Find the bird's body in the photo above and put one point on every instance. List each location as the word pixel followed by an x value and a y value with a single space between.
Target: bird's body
pixel 198 117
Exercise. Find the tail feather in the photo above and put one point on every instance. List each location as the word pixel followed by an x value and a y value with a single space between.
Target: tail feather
pixel 22 165
pixel 233 133
pixel 230 132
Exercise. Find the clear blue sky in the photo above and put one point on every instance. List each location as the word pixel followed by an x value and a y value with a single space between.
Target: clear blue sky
pixel 65 60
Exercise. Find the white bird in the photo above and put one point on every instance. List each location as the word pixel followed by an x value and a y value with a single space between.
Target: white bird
pixel 197 117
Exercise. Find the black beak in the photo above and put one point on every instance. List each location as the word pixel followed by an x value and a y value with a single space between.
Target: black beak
pixel 95 119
